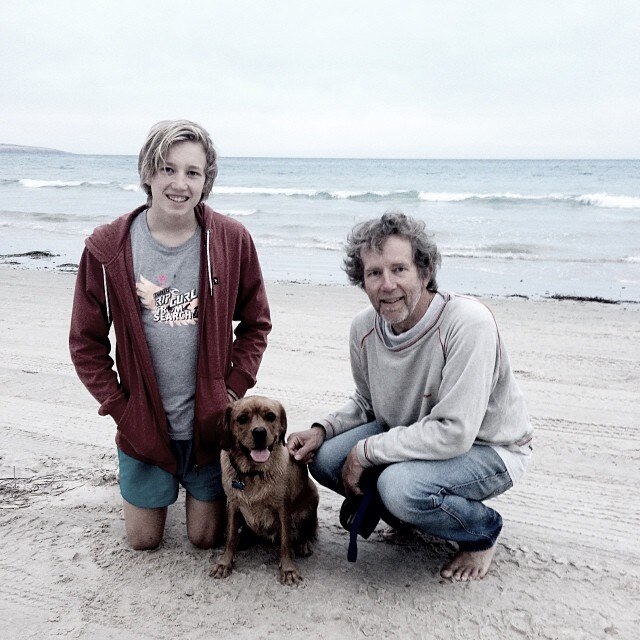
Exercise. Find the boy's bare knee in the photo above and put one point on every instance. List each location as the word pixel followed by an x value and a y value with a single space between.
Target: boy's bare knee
pixel 203 540
pixel 205 522
pixel 143 543
pixel 206 535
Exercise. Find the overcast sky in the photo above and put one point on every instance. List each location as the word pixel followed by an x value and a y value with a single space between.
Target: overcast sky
pixel 327 78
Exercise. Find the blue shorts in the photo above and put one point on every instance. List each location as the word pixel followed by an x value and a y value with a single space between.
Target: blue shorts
pixel 150 487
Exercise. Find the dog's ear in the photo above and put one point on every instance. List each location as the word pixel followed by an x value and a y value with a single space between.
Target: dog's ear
pixel 226 423
pixel 283 423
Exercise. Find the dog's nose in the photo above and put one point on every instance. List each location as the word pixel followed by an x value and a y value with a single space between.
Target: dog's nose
pixel 259 437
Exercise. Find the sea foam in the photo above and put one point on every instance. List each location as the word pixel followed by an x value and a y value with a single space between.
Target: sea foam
pixel 39 184
pixel 609 201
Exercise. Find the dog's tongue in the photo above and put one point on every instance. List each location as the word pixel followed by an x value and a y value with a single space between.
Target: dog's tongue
pixel 260 455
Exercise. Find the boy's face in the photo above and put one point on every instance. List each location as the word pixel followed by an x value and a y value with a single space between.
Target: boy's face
pixel 176 187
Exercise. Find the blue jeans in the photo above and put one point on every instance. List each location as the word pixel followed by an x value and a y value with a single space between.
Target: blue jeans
pixel 442 498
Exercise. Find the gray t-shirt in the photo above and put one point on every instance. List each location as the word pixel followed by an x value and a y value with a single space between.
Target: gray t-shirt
pixel 167 282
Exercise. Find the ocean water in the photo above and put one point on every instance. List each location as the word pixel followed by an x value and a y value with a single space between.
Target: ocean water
pixel 504 227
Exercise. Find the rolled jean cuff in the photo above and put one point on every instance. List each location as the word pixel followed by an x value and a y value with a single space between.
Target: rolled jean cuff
pixel 480 545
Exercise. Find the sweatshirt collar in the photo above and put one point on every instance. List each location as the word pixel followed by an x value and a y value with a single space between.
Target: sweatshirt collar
pixel 405 339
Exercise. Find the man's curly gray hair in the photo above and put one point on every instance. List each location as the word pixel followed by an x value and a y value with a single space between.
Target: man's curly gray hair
pixel 372 234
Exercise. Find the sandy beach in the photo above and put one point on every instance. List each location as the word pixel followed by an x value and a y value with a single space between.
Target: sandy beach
pixel 567 564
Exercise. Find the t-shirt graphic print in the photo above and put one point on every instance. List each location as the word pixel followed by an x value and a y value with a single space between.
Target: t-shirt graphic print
pixel 167 303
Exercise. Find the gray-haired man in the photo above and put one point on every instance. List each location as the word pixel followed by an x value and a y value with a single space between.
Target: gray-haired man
pixel 436 412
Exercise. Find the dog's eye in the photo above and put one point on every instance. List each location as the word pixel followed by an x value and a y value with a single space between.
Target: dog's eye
pixel 270 416
pixel 243 418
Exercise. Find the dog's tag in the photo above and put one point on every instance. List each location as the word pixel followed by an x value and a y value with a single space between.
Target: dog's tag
pixel 238 484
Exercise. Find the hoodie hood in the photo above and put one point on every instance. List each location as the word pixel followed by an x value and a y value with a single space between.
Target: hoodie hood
pixel 108 241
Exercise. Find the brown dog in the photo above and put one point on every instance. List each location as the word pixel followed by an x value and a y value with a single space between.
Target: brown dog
pixel 265 486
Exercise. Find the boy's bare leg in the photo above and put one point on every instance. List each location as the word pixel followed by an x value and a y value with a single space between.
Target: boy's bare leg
pixel 144 527
pixel 205 522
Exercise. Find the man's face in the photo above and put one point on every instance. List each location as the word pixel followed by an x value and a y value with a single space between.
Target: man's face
pixel 393 284
pixel 176 187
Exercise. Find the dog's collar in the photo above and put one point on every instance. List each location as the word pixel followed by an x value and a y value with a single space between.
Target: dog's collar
pixel 237 483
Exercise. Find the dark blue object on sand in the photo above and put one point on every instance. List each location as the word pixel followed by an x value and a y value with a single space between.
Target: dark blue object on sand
pixel 359 516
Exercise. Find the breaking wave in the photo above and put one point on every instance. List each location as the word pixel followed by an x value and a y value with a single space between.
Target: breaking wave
pixel 600 200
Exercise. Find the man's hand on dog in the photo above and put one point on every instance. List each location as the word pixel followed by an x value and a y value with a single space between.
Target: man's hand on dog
pixel 352 473
pixel 303 445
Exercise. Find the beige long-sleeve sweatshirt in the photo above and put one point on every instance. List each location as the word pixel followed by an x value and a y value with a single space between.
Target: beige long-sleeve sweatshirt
pixel 438 392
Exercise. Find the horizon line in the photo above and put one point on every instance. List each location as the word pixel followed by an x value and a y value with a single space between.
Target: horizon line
pixel 7 148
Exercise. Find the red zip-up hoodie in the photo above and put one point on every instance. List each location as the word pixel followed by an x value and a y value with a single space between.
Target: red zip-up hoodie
pixel 231 289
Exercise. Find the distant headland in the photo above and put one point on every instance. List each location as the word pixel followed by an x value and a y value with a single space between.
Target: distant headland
pixel 20 148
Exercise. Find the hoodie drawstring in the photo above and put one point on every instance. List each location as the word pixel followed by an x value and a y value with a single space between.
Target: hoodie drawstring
pixel 209 263
pixel 106 293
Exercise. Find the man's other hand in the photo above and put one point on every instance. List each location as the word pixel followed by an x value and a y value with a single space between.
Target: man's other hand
pixel 352 473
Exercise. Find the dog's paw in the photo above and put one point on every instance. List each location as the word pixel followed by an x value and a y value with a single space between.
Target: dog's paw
pixel 304 549
pixel 221 570
pixel 290 577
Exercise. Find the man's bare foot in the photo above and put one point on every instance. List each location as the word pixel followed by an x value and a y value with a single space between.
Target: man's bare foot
pixel 469 565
